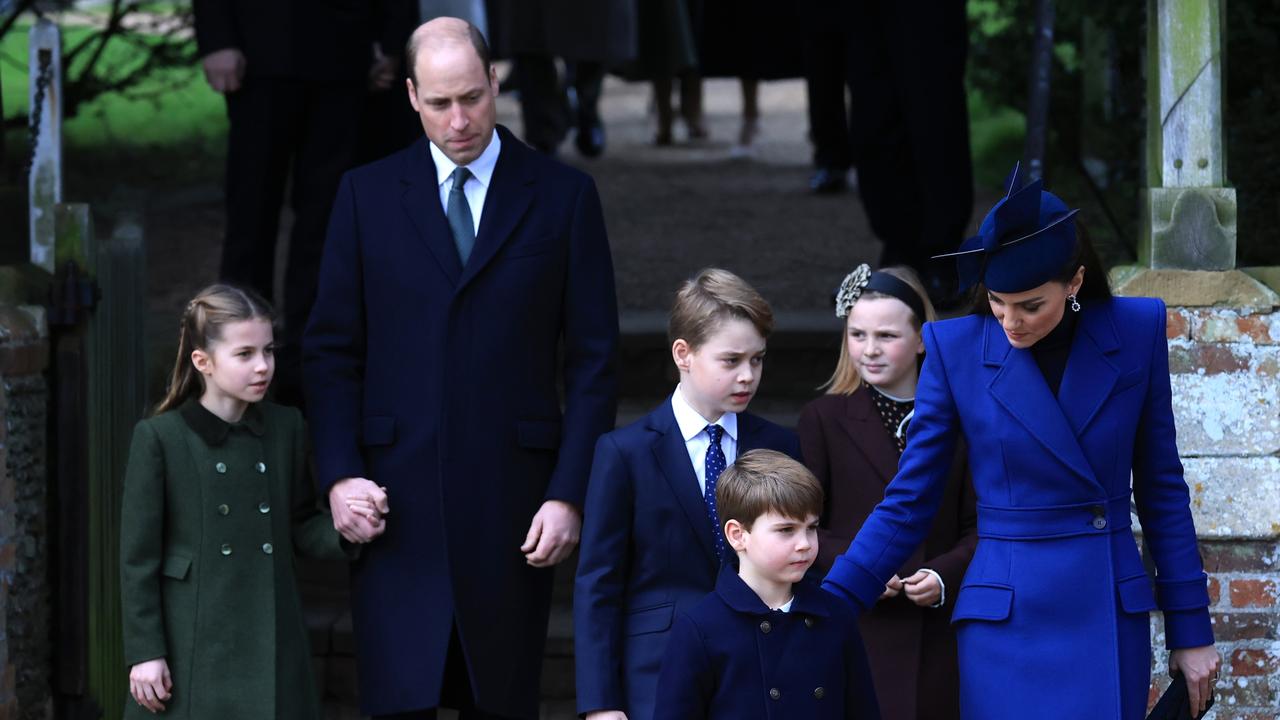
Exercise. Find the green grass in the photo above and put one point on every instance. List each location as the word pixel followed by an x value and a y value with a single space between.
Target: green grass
pixel 169 108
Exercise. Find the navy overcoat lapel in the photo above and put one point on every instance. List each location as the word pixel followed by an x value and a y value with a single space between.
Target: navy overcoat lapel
pixel 864 427
pixel 505 204
pixel 1090 374
pixel 673 457
pixel 421 201
pixel 1020 388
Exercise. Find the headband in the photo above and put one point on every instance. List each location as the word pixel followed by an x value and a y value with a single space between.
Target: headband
pixel 862 279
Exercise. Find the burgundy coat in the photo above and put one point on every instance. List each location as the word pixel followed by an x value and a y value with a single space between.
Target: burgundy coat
pixel 912 649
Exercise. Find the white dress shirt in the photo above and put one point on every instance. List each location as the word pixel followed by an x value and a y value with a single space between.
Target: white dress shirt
pixel 696 440
pixel 477 187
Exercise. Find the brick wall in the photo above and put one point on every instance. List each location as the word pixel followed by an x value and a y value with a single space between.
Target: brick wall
pixel 25 650
pixel 1225 366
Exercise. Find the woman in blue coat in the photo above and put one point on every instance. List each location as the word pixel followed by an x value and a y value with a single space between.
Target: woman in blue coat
pixel 1061 392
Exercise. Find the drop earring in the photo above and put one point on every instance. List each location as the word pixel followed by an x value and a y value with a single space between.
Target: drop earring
pixel 1075 304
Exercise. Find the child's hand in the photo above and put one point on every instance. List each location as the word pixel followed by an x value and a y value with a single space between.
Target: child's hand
pixel 354 527
pixel 606 715
pixel 150 683
pixel 923 588
pixel 892 588
pixel 369 507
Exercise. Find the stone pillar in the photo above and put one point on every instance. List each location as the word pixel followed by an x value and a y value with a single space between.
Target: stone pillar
pixel 1188 215
pixel 45 182
pixel 25 643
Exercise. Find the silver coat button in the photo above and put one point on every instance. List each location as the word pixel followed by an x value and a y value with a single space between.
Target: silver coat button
pixel 264 508
pixel 262 467
pixel 226 549
pixel 775 693
pixel 266 548
pixel 819 692
pixel 1100 523
pixel 223 509
pixel 765 627
pixel 220 467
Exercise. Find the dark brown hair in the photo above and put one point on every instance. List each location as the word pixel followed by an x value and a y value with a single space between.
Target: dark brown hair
pixel 212 309
pixel 711 297
pixel 762 481
pixel 1096 284
pixel 473 35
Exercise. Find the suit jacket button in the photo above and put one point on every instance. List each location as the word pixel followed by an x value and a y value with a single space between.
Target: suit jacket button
pixel 221 468
pixel 1100 523
pixel 266 548
pixel 819 692
pixel 775 693
pixel 223 509
pixel 264 507
pixel 765 627
pixel 226 549
pixel 808 622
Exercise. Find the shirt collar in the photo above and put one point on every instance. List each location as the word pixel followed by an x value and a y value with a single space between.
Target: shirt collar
pixel 691 423
pixel 213 429
pixel 739 596
pixel 481 168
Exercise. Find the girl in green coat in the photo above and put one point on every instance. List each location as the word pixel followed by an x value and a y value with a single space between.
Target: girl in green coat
pixel 216 502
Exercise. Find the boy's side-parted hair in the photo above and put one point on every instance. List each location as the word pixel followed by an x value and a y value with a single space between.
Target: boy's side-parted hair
pixel 762 481
pixel 708 299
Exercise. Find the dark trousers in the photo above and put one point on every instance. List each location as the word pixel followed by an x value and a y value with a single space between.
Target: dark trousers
pixel 457 691
pixel 283 128
pixel 911 127
pixel 825 68
pixel 544 105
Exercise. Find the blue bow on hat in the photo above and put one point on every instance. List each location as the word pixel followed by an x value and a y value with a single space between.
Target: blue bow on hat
pixel 1024 241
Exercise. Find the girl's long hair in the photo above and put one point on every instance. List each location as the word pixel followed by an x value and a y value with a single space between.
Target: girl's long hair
pixel 846 378
pixel 212 309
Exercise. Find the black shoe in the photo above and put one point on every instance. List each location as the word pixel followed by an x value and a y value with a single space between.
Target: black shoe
pixel 826 181
pixel 590 139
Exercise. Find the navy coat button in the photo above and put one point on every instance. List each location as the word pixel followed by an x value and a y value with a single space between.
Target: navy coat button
pixel 775 693
pixel 223 509
pixel 226 549
pixel 765 627
pixel 264 507
pixel 220 467
pixel 818 692
pixel 808 622
pixel 266 548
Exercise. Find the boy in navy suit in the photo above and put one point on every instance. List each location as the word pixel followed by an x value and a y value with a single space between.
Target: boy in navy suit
pixel 651 536
pixel 766 644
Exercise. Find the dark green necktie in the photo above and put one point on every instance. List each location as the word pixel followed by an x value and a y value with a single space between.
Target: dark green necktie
pixel 459 214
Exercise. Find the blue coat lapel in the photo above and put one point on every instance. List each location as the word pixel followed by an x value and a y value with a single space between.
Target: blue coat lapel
pixel 1090 375
pixel 421 202
pixel 1019 387
pixel 673 457
pixel 509 197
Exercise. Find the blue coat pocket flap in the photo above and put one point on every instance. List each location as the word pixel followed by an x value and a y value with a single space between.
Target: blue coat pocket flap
pixel 1136 595
pixel 983 602
pixel 650 620
pixel 538 434
pixel 175 566
pixel 378 430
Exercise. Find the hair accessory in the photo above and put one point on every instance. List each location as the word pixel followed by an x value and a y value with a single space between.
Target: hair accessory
pixel 863 280
pixel 1023 242
pixel 851 289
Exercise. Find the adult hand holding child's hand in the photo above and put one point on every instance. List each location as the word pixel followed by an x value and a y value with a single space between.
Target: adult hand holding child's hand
pixel 150 683
pixel 358 506
pixel 892 588
pixel 553 534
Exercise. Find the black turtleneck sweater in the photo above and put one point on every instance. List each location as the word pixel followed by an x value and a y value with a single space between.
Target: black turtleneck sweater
pixel 1052 350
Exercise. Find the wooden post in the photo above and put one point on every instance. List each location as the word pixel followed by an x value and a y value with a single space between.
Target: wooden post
pixel 44 184
pixel 1189 216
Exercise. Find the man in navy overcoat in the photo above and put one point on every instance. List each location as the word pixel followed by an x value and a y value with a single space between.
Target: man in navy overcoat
pixel 462 277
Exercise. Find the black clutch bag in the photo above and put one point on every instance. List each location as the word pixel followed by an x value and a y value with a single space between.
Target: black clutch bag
pixel 1175 704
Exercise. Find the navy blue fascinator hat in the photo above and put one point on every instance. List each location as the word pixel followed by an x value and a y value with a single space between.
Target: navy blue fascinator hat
pixel 1023 242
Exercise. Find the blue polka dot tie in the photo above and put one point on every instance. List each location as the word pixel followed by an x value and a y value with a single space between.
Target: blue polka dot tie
pixel 715 466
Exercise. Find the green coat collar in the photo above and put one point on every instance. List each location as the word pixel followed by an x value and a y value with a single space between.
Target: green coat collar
pixel 213 429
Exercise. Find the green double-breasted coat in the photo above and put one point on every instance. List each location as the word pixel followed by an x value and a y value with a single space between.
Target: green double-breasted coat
pixel 212 516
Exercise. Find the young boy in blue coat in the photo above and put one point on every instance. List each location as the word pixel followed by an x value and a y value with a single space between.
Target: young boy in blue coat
pixel 766 644
pixel 651 538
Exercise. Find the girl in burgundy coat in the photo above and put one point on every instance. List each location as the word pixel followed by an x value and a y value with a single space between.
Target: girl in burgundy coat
pixel 851 439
